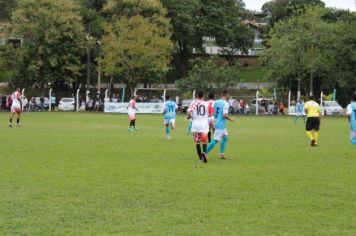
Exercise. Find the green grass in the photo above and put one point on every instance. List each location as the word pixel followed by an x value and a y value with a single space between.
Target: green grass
pixel 253 74
pixel 85 174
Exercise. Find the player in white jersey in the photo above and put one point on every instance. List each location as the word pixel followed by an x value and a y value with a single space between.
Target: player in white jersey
pixel 131 108
pixel 351 114
pixel 16 107
pixel 211 118
pixel 199 112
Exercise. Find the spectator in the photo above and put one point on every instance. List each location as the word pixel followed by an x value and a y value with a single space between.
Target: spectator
pixel 275 108
pixel 242 107
pixel 42 101
pixel 53 102
pixel 281 108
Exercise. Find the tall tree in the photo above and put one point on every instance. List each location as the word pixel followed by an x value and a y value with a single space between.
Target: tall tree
pixel 302 47
pixel 136 44
pixel 52 42
pixel 6 9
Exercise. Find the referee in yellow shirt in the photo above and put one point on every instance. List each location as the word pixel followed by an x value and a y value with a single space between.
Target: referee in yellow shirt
pixel 312 109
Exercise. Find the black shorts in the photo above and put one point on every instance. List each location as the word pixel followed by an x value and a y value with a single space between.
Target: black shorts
pixel 313 123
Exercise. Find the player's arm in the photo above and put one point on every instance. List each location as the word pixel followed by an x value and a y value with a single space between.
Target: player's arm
pixel 190 111
pixel 348 112
pixel 226 114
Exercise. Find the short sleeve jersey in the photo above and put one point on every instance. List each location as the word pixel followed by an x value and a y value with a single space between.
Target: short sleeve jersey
pixel 221 108
pixel 313 108
pixel 200 113
pixel 351 111
pixel 132 106
pixel 300 107
pixel 170 108
pixel 15 99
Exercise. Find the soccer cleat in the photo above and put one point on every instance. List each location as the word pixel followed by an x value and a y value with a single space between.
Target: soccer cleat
pixel 222 157
pixel 168 137
pixel 130 129
pixel 10 125
pixel 204 158
pixel 135 129
pixel 18 125
pixel 313 143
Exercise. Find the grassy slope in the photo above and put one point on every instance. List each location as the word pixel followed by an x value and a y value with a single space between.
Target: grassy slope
pixel 253 74
pixel 71 174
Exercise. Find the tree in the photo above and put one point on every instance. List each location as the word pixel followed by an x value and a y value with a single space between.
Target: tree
pixel 209 76
pixel 52 42
pixel 6 8
pixel 134 48
pixel 183 14
pixel 303 47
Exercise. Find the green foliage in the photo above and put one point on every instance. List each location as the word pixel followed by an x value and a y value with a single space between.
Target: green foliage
pixel 136 47
pixel 209 76
pixel 6 8
pixel 53 42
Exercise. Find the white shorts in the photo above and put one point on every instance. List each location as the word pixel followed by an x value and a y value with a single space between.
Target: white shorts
pixel 220 133
pixel 352 134
pixel 16 109
pixel 131 115
pixel 169 121
pixel 301 114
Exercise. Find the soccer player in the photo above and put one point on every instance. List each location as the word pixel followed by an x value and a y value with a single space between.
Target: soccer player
pixel 131 112
pixel 199 112
pixel 221 114
pixel 211 118
pixel 16 107
pixel 351 113
pixel 312 109
pixel 170 108
pixel 300 110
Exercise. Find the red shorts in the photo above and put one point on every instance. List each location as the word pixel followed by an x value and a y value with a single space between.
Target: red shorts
pixel 16 110
pixel 200 138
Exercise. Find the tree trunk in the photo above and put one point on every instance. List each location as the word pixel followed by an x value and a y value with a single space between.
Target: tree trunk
pixel 311 86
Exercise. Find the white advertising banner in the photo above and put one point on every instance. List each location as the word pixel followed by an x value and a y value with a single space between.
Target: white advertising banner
pixel 145 108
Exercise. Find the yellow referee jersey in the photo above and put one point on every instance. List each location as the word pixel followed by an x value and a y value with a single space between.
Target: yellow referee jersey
pixel 313 109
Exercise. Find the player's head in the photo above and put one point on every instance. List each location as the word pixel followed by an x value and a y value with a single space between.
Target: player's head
pixel 200 95
pixel 225 95
pixel 311 97
pixel 301 99
pixel 134 97
pixel 211 96
pixel 18 89
pixel 168 97
pixel 354 97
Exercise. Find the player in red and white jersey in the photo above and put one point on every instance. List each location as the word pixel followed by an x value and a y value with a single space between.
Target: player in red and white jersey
pixel 131 112
pixel 16 107
pixel 211 118
pixel 199 112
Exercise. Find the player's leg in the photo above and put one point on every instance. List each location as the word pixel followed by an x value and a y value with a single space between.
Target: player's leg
pixel 309 128
pixel 18 119
pixel 11 117
pixel 304 119
pixel 189 129
pixel 223 146
pixel 296 119
pixel 316 131
pixel 204 139
pixel 131 124
pixel 166 123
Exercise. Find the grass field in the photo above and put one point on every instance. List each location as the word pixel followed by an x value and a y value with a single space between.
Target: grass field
pixel 85 174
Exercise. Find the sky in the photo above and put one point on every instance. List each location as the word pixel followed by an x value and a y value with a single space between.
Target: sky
pixel 344 4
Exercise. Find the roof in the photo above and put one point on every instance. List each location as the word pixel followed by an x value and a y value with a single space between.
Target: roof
pixel 254 23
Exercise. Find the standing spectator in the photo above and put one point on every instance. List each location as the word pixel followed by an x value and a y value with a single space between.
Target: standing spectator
pixel 242 107
pixel 53 102
pixel 42 100
pixel 281 108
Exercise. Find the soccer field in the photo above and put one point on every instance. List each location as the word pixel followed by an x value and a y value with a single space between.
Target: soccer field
pixel 71 174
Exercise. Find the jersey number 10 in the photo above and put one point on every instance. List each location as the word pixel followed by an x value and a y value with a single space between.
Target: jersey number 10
pixel 201 110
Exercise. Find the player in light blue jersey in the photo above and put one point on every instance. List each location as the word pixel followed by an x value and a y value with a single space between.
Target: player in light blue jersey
pixel 221 114
pixel 170 108
pixel 351 113
pixel 300 111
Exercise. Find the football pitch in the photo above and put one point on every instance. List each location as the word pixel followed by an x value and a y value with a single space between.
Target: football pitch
pixel 86 174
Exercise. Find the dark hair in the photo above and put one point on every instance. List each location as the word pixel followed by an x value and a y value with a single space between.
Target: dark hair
pixel 354 97
pixel 133 97
pixel 211 96
pixel 168 97
pixel 225 93
pixel 311 97
pixel 200 94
